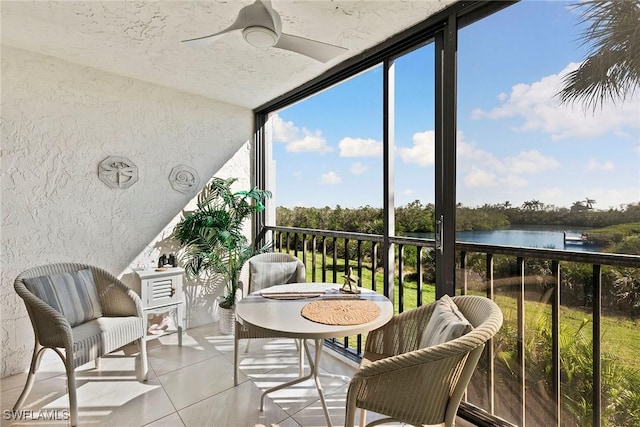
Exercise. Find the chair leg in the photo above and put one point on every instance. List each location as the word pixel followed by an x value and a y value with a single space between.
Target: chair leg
pixel 246 348
pixel 144 365
pixel 97 362
pixel 38 350
pixel 363 417
pixel 71 386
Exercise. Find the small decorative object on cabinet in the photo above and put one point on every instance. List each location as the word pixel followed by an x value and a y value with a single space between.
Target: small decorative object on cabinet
pixel 161 295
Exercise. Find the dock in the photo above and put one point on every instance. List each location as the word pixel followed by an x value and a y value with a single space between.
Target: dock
pixel 574 240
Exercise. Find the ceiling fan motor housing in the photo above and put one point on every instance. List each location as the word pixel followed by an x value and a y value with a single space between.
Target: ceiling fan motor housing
pixel 260 36
pixel 265 27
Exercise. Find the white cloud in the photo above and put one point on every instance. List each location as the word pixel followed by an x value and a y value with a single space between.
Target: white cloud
pixel 298 140
pixel 593 164
pixel 480 178
pixel 297 175
pixel 516 181
pixel 540 110
pixel 309 142
pixel 407 192
pixel 530 162
pixel 422 152
pixel 480 168
pixel 358 168
pixel 360 147
pixel 468 152
pixel 283 131
pixel 330 178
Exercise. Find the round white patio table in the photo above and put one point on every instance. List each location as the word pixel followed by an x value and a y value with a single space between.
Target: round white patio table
pixel 277 311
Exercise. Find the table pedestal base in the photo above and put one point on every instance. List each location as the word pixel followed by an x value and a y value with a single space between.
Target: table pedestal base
pixel 314 364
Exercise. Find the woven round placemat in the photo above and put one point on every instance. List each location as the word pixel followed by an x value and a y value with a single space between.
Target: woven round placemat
pixel 341 312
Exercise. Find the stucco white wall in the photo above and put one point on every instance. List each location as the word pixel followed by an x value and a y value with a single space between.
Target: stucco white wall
pixel 199 294
pixel 59 120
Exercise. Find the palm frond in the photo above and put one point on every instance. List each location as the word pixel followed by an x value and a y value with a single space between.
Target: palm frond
pixel 213 234
pixel 611 70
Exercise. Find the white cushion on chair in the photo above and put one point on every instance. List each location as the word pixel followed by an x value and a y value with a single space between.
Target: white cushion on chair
pixel 72 294
pixel 446 323
pixel 104 335
pixel 267 274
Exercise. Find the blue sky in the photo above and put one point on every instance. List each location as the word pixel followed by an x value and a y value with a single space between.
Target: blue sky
pixel 515 143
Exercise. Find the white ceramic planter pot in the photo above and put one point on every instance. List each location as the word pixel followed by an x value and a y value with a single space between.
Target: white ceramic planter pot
pixel 227 320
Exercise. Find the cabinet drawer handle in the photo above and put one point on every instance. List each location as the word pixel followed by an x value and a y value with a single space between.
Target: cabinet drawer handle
pixel 173 291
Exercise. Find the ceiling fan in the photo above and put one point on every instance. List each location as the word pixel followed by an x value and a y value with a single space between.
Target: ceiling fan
pixel 261 27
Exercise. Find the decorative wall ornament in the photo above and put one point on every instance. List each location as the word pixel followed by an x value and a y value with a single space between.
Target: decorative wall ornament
pixel 118 172
pixel 184 179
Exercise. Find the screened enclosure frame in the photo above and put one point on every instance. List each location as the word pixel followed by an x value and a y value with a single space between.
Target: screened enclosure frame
pixel 441 29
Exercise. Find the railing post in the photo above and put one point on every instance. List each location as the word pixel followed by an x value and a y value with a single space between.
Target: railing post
pixel 520 342
pixel 400 278
pixel 490 351
pixel 335 260
pixel 419 278
pixel 555 339
pixel 313 258
pixel 304 249
pixel 359 255
pixel 597 361
pixel 465 273
pixel 346 256
pixel 324 259
pixel 374 264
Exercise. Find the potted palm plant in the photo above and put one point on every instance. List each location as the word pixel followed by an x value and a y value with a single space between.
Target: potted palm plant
pixel 213 239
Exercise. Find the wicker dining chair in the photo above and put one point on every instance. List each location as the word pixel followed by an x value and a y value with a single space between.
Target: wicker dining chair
pixel 420 385
pixel 259 272
pixel 82 310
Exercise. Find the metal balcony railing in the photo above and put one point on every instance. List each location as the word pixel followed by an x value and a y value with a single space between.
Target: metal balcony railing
pixel 566 352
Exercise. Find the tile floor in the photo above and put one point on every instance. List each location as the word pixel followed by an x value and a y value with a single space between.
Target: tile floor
pixel 190 386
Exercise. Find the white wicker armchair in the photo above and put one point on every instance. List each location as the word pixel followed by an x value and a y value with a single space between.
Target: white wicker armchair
pixel 251 282
pixel 118 320
pixel 420 385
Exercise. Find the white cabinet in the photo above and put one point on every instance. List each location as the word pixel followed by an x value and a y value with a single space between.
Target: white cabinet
pixel 161 293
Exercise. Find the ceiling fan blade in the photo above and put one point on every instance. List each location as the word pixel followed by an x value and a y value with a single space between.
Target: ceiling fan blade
pixel 240 22
pixel 319 51
pixel 276 24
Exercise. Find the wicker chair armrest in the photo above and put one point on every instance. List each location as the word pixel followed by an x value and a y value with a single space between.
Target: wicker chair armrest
pixel 51 327
pixel 116 298
pixel 424 356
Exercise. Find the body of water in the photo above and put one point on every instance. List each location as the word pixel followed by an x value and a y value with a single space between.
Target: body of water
pixel 544 237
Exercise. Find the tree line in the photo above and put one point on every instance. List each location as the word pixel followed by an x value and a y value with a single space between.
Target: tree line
pixel 416 217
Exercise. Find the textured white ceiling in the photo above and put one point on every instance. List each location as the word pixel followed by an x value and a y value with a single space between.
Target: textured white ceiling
pixel 142 39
